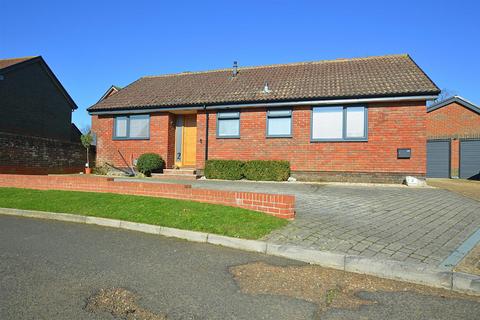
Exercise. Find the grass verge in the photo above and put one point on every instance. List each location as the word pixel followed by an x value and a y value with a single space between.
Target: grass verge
pixel 182 214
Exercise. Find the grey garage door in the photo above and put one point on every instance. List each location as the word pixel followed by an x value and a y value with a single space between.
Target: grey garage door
pixel 438 159
pixel 470 159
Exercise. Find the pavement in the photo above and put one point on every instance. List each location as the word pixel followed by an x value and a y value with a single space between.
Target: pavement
pixel 418 225
pixel 48 270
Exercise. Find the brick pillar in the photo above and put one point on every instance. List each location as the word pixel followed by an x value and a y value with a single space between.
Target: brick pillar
pixel 455 157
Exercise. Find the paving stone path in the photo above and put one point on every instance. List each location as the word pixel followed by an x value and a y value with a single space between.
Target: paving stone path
pixel 422 225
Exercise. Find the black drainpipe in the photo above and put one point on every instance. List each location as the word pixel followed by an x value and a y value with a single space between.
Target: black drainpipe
pixel 206 133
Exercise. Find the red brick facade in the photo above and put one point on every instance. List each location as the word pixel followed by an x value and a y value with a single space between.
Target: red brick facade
pixel 281 206
pixel 390 126
pixel 453 122
pixel 161 141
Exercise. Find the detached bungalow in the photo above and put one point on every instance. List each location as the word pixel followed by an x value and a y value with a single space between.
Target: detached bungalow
pixel 361 119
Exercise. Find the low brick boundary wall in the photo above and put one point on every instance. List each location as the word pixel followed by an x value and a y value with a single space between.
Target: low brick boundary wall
pixel 282 206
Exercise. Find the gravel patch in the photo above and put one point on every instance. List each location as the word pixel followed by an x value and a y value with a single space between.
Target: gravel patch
pixel 120 303
pixel 471 262
pixel 467 188
pixel 325 287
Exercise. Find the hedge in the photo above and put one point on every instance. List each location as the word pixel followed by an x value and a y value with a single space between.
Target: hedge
pixel 224 169
pixel 258 170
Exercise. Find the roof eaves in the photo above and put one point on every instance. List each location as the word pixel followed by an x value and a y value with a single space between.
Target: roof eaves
pixel 248 102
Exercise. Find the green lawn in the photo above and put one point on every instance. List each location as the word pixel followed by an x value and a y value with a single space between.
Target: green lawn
pixel 188 215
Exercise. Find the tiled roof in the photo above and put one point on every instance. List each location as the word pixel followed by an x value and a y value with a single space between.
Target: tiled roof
pixel 10 62
pixel 382 76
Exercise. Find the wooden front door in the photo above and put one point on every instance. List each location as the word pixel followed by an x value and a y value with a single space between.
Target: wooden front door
pixel 189 140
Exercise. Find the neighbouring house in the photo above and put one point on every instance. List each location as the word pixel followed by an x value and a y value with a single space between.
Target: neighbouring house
pixel 36 130
pixel 361 119
pixel 453 133
pixel 112 90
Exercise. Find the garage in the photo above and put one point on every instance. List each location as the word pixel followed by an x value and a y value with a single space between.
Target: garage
pixel 438 159
pixel 470 159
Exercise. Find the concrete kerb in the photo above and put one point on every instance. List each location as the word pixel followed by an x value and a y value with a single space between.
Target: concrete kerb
pixel 398 270
pixel 464 282
pixel 395 270
pixel 194 236
pixel 103 222
pixel 236 243
pixel 44 215
pixel 141 227
pixel 321 258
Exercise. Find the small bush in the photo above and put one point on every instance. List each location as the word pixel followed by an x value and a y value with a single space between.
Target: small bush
pixel 224 169
pixel 101 170
pixel 149 162
pixel 261 170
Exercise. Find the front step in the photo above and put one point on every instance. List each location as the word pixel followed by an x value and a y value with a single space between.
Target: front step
pixel 176 174
pixel 182 171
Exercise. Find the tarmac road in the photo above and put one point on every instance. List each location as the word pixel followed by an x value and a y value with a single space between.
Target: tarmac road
pixel 48 270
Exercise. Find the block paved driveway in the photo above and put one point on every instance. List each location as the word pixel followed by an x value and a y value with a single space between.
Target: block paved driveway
pixel 422 225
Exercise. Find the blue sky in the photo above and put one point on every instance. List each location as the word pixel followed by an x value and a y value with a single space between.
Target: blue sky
pixel 93 44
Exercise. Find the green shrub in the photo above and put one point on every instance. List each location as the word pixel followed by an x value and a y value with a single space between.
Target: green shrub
pixel 224 169
pixel 149 162
pixel 261 170
pixel 258 170
pixel 101 170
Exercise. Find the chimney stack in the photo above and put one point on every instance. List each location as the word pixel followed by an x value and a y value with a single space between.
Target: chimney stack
pixel 235 69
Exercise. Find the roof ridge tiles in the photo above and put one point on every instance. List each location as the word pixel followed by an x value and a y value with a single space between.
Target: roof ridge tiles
pixel 293 64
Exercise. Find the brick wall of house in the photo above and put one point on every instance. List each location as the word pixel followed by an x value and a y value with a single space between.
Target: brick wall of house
pixel 161 141
pixel 390 126
pixel 453 122
pixel 278 205
pixel 33 155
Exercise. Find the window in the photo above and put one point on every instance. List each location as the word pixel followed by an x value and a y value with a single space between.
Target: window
pixel 339 123
pixel 228 124
pixel 132 127
pixel 279 123
pixel 139 126
pixel 121 127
